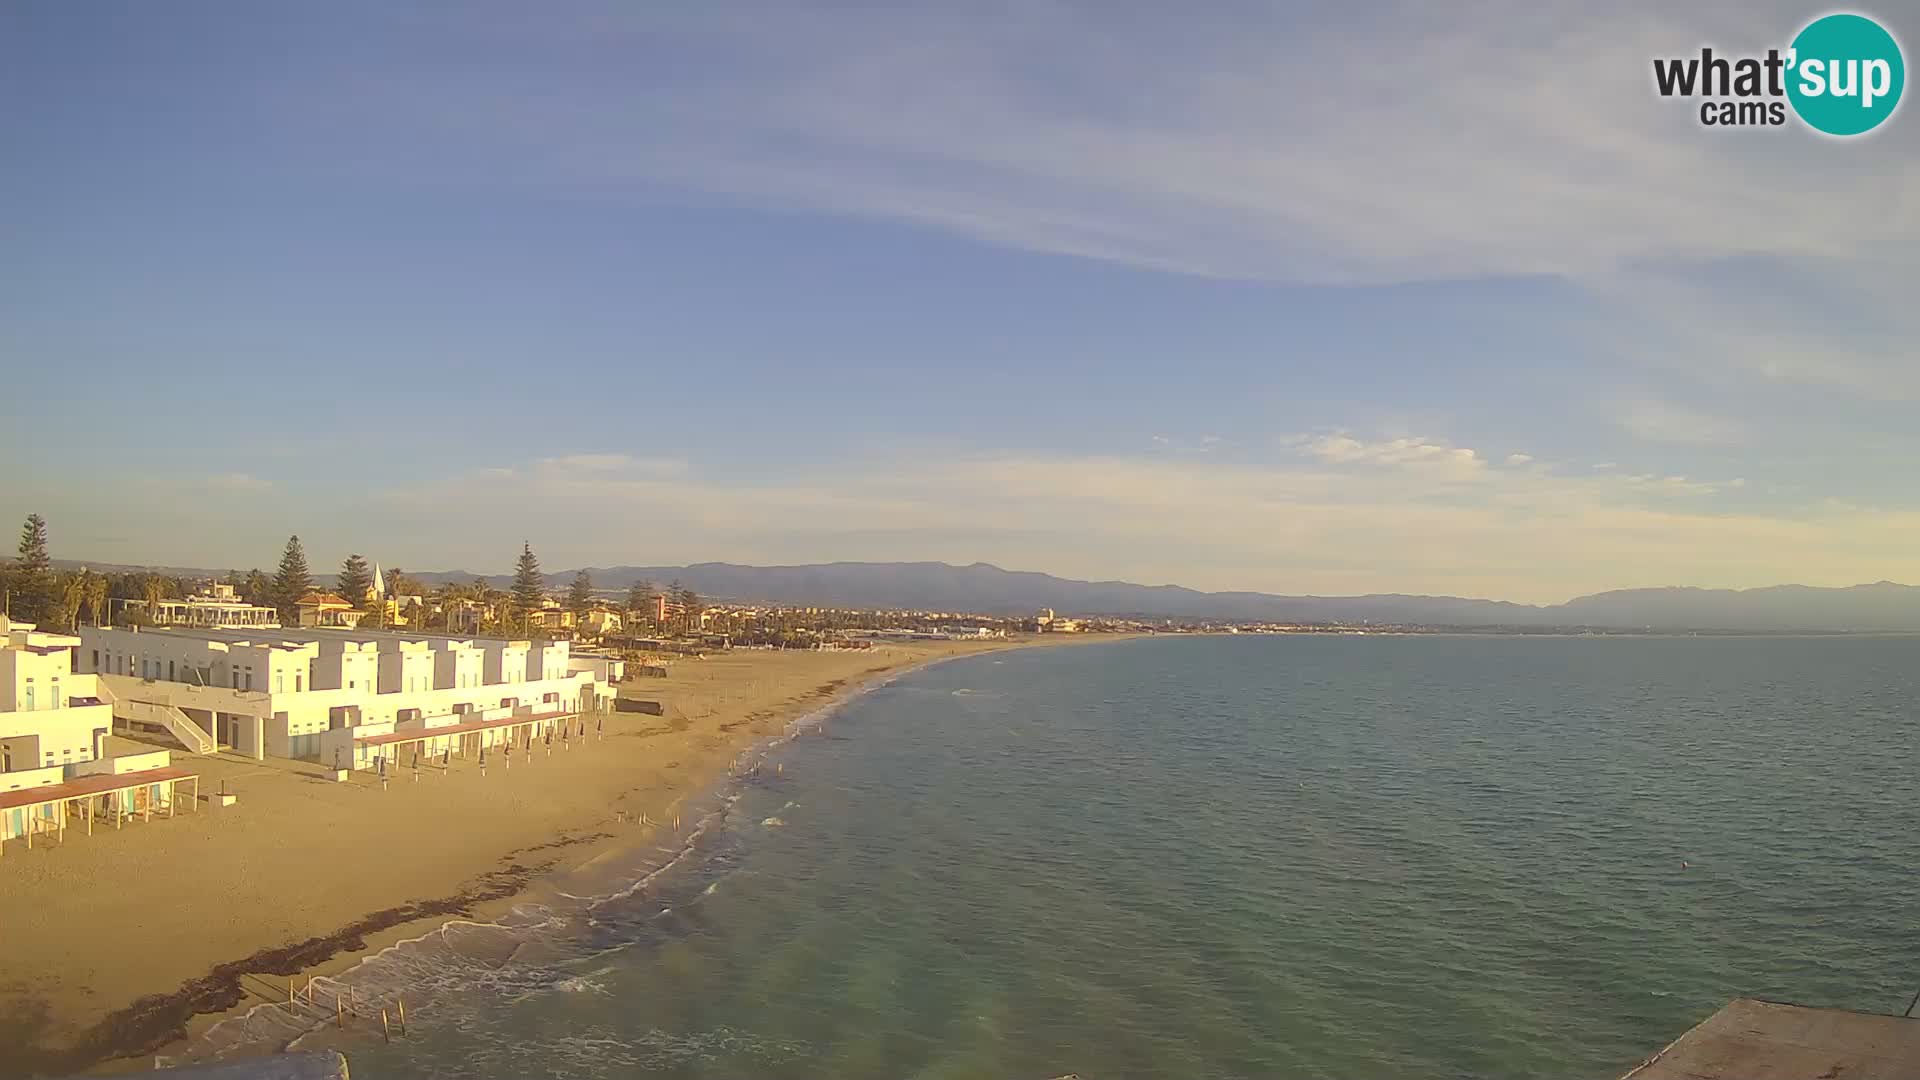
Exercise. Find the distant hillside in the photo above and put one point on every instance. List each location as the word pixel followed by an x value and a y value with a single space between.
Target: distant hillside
pixel 984 588
pixel 1883 605
pixel 1880 607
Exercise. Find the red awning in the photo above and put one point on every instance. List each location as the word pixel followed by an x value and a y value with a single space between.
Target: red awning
pixel 417 734
pixel 89 785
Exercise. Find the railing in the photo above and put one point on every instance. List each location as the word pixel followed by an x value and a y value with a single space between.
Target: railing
pixel 177 723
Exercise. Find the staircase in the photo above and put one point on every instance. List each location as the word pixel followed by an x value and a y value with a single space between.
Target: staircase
pixel 176 723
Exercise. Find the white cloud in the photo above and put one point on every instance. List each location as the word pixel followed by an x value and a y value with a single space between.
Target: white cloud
pixel 1400 453
pixel 1519 459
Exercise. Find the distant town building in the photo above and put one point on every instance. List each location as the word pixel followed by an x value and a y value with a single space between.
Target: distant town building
pixel 218 605
pixel 601 622
pixel 325 609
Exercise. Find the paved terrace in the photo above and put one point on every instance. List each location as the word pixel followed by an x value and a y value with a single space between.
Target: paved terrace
pixel 1769 1040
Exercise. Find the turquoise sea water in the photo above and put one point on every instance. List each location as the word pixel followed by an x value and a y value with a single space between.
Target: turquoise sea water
pixel 1363 857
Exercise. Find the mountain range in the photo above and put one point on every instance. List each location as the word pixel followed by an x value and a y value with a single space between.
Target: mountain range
pixel 988 589
pixel 981 587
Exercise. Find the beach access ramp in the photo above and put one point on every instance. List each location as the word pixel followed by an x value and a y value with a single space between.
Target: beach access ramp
pixel 1771 1040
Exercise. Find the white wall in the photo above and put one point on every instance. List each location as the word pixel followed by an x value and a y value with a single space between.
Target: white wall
pixel 53 737
pixel 296 724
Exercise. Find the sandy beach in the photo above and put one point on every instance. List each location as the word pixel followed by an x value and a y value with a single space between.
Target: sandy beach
pixel 118 945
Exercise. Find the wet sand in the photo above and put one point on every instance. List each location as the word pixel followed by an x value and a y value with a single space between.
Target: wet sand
pixel 116 946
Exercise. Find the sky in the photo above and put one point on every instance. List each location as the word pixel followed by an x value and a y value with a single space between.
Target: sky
pixel 1306 298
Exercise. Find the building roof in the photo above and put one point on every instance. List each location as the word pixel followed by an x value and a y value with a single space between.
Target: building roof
pixel 419 734
pixel 325 599
pixel 99 784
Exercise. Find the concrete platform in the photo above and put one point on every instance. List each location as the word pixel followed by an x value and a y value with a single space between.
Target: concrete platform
pixel 1768 1040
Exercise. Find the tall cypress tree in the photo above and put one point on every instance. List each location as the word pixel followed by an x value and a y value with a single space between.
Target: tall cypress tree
pixel 356 580
pixel 34 596
pixel 580 595
pixel 528 588
pixel 292 582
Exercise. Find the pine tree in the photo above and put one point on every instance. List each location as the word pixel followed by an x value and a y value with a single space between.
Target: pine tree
pixel 356 580
pixel 528 590
pixel 34 596
pixel 580 595
pixel 292 582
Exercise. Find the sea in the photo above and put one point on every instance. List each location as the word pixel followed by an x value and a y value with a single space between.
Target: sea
pixel 1364 856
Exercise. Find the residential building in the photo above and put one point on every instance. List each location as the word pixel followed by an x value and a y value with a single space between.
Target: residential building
pixel 325 609
pixel 552 617
pixel 601 622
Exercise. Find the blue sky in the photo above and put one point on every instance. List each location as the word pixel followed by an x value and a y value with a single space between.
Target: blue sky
pixel 1304 298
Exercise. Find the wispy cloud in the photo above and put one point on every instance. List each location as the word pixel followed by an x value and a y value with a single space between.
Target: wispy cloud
pixel 1336 516
pixel 1263 146
pixel 1666 422
pixel 238 483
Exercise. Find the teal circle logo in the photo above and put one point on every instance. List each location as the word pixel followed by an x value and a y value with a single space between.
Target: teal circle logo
pixel 1846 75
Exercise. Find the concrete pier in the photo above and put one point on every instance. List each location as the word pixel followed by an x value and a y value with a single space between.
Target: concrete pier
pixel 1770 1040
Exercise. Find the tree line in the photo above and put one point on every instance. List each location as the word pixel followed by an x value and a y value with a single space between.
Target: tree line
pixel 32 591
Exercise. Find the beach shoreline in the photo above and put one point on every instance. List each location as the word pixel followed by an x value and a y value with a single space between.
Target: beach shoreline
pixel 585 812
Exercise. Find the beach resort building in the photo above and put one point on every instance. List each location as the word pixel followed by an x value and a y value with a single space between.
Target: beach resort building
pixel 218 605
pixel 319 694
pixel 55 768
pixel 50 717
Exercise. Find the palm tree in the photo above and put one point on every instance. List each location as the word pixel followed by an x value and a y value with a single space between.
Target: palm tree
pixel 73 590
pixel 153 591
pixel 97 599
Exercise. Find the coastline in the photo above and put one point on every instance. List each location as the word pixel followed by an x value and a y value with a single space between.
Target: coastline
pixel 581 816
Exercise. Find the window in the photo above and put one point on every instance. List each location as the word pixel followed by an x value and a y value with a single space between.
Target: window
pixel 96 659
pixel 279 682
pixel 296 683
pixel 29 707
pixel 249 678
pixel 169 671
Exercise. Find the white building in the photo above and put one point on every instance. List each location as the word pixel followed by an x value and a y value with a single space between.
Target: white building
pixel 50 717
pixel 217 606
pixel 282 692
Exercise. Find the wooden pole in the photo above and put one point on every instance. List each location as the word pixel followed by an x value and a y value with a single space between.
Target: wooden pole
pixel 290 1002
pixel 385 1031
pixel 403 1016
pixel 339 1012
